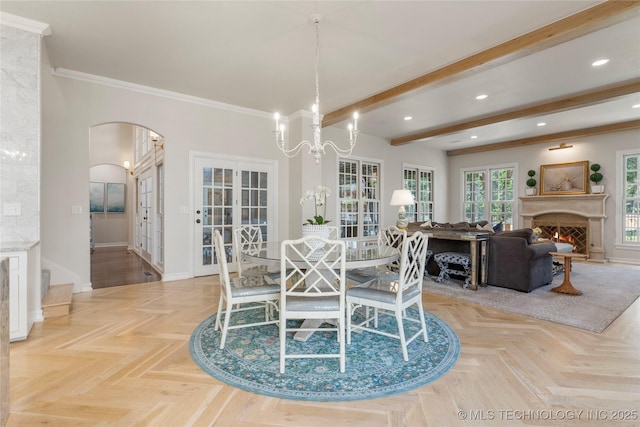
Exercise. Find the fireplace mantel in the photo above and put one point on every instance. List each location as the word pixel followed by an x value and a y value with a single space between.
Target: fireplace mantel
pixel 590 206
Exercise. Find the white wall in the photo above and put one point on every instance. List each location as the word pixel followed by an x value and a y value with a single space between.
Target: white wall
pixel 595 149
pixel 71 107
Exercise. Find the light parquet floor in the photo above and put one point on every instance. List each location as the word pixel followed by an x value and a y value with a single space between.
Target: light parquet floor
pixel 121 358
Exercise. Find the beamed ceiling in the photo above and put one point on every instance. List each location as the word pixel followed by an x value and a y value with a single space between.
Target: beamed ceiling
pixel 385 59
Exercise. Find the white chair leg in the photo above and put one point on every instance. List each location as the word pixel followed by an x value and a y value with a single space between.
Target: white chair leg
pixel 403 340
pixel 341 340
pixel 283 341
pixel 422 322
pixel 216 327
pixel 225 326
pixel 349 314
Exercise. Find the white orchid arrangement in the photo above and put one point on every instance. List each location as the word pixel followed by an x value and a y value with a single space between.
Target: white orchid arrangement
pixel 319 196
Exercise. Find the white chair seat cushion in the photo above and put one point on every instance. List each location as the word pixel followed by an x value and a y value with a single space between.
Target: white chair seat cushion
pixel 328 303
pixel 252 286
pixel 380 290
pixel 364 275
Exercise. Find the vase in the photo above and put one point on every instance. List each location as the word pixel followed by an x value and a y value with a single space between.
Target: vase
pixel 531 191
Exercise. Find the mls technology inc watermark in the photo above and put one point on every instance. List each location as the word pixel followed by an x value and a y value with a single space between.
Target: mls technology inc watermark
pixel 549 415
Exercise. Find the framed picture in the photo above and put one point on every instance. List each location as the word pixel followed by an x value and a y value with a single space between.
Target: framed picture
pixel 115 198
pixel 564 178
pixel 96 197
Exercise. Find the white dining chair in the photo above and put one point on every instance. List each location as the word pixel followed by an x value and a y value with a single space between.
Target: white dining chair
pixel 247 239
pixel 241 294
pixel 388 236
pixel 312 288
pixel 392 296
pixel 334 232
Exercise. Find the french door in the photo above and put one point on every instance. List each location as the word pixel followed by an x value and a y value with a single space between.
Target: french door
pixel 145 216
pixel 227 194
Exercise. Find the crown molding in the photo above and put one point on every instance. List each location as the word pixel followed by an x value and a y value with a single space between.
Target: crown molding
pixel 148 90
pixel 25 24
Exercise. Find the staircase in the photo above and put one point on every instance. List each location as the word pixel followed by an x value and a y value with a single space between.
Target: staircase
pixel 57 298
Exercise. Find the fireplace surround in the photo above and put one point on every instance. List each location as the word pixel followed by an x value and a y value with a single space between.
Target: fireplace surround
pixel 571 211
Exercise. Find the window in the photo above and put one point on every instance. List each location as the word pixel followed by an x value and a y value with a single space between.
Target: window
pixel 420 182
pixel 489 195
pixel 630 198
pixel 359 198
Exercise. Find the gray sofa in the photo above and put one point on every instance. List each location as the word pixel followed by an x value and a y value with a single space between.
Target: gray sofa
pixel 517 263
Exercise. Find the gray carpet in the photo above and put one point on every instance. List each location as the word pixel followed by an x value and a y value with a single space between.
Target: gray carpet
pixel 607 292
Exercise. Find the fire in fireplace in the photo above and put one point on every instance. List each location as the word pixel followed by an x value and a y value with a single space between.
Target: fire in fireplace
pixel 564 228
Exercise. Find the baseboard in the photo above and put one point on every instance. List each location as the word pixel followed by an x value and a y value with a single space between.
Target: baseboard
pixel 176 276
pixel 629 261
pixel 111 245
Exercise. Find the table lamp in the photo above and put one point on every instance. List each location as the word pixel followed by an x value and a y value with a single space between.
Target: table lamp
pixel 402 198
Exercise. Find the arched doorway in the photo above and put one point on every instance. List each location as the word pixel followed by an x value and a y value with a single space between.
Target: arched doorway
pixel 126 204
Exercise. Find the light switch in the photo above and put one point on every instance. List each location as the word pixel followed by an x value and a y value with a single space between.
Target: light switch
pixel 11 209
pixel 76 209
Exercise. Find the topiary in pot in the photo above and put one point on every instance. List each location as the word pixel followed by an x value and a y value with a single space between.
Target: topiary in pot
pixel 531 183
pixel 596 177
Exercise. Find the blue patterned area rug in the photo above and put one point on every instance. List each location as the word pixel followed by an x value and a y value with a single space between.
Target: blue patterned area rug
pixel 374 368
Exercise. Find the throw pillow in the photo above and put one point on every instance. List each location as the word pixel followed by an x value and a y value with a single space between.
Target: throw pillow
pixel 498 227
pixel 486 227
pixel 426 224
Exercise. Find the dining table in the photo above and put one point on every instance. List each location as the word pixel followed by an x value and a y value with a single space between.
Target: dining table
pixel 359 254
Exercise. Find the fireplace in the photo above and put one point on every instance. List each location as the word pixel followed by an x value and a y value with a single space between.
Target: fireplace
pixel 565 228
pixel 577 219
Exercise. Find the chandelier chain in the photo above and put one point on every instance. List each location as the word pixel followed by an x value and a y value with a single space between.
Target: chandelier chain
pixel 317 148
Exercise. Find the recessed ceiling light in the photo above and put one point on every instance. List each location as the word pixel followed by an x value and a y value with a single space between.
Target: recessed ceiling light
pixel 408 118
pixel 474 136
pixel 481 97
pixel 635 106
pixel 600 62
pixel 542 124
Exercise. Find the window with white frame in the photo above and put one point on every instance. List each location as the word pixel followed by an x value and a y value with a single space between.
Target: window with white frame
pixel 420 181
pixel 630 171
pixel 489 194
pixel 359 198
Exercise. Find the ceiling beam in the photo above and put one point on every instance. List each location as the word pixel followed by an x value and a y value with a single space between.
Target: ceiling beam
pixel 582 99
pixel 574 26
pixel 553 137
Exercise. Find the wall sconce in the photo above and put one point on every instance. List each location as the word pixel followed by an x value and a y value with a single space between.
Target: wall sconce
pixel 157 141
pixel 561 147
pixel 402 198
pixel 127 166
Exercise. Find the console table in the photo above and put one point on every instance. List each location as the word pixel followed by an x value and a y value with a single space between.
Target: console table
pixel 473 237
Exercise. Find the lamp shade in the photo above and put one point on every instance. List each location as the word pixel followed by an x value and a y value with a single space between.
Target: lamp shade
pixel 401 198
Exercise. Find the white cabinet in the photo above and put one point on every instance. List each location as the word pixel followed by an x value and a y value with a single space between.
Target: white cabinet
pixel 17 295
pixel 25 302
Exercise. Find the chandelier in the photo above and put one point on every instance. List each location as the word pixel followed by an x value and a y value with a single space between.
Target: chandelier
pixel 317 148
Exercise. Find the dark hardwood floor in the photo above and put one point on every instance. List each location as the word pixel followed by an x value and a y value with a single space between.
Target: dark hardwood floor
pixel 117 266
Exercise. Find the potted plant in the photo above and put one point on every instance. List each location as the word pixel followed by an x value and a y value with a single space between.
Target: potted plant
pixel 596 177
pixel 531 183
